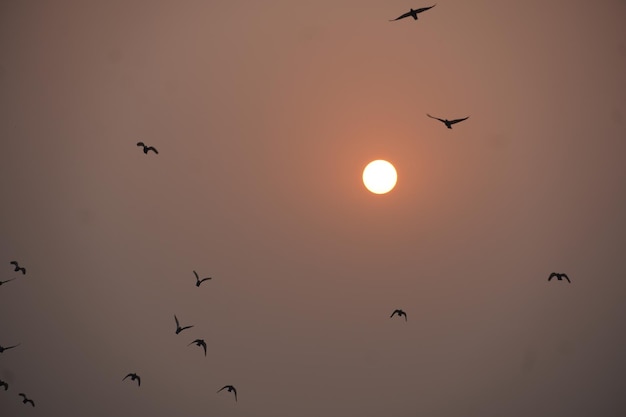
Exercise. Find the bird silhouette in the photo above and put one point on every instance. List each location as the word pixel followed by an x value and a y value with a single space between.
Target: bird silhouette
pixel 230 388
pixel 178 328
pixel 413 13
pixel 198 280
pixel 199 342
pixel 26 400
pixel 2 348
pixel 447 122
pixel 399 313
pixel 4 282
pixel 133 376
pixel 559 277
pixel 147 148
pixel 4 384
pixel 18 268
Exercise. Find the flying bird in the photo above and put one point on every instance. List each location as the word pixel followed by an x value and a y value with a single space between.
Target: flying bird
pixel 18 268
pixel 198 280
pixel 2 348
pixel 230 388
pixel 399 313
pixel 4 282
pixel 133 376
pixel 4 384
pixel 147 148
pixel 199 342
pixel 178 328
pixel 413 13
pixel 559 277
pixel 26 400
pixel 447 122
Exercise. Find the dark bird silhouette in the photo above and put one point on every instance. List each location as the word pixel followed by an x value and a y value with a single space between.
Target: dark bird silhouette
pixel 4 384
pixel 199 342
pixel 413 13
pixel 25 399
pixel 559 277
pixel 18 268
pixel 178 328
pixel 4 282
pixel 147 148
pixel 399 313
pixel 133 376
pixel 198 280
pixel 2 348
pixel 447 122
pixel 230 388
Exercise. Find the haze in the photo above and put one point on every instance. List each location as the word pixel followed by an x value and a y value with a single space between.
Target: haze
pixel 265 114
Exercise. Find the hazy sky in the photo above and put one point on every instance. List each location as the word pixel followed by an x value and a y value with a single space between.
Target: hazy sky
pixel 265 114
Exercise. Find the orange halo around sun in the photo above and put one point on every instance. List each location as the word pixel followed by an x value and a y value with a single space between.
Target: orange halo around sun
pixel 380 176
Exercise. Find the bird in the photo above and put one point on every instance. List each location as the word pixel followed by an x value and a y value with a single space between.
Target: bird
pixel 399 313
pixel 199 342
pixel 26 400
pixel 447 122
pixel 4 384
pixel 178 328
pixel 559 277
pixel 413 13
pixel 198 280
pixel 18 268
pixel 230 388
pixel 133 376
pixel 2 348
pixel 4 282
pixel 147 148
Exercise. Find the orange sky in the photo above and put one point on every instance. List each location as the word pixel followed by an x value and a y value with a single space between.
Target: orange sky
pixel 264 115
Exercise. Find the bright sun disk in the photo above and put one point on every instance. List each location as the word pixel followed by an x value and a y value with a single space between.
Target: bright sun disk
pixel 380 176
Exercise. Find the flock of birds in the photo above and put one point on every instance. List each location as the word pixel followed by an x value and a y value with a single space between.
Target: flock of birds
pixel 132 375
pixel 200 342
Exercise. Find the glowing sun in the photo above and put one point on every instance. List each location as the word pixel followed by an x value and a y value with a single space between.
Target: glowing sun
pixel 380 176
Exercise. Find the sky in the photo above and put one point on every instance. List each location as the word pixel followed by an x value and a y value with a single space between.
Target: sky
pixel 264 115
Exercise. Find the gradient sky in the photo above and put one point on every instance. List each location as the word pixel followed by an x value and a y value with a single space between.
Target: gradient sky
pixel 265 114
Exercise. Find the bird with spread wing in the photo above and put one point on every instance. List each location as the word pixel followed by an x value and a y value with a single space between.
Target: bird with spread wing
pixel 447 122
pixel 413 13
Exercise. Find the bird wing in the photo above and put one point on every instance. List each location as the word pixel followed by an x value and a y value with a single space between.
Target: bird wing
pixel 222 388
pixel 140 144
pixel 11 347
pixel 552 275
pixel 30 401
pixel 196 274
pixel 13 263
pixel 126 376
pixel 436 118
pixel 21 394
pixel 235 392
pixel 407 14
pixel 186 327
pixel 423 9
pixel 152 148
pixel 405 316
pixel 204 347
pixel 458 120
pixel 566 277
pixel 138 380
pixel 204 279
pixel 176 318
pixel 2 282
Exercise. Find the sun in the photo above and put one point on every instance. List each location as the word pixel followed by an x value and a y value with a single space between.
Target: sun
pixel 380 176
